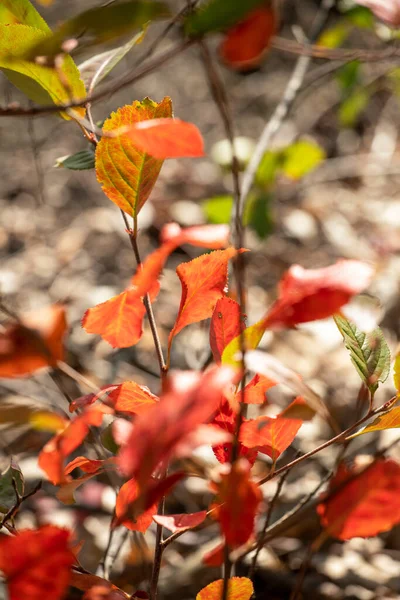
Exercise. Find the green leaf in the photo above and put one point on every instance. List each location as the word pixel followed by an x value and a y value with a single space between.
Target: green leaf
pixel 349 75
pixel 100 24
pixel 7 493
pixel 302 157
pixel 39 83
pixel 268 168
pixel 334 36
pixel 258 216
pixel 22 12
pixel 216 15
pixel 96 68
pixel 369 352
pixel 351 108
pixel 81 161
pixel 360 16
pixel 218 209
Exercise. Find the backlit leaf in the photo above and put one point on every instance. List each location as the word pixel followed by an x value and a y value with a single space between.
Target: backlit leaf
pixel 33 343
pixel 130 397
pixel 225 419
pixel 216 15
pixel 255 390
pixel 239 588
pixel 226 324
pixel 203 283
pixel 252 336
pixel 271 435
pixel 365 506
pixel 40 83
pixel 215 237
pixel 128 493
pixel 30 560
pixel 190 401
pixel 369 352
pixel 8 497
pixel 167 138
pixel 245 44
pixel 181 522
pixel 389 420
pixel 236 504
pixel 126 174
pixel 100 24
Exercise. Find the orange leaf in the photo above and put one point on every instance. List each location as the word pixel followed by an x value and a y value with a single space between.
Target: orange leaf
pixel 246 43
pixel 367 505
pixel 236 504
pixel 192 400
pixel 225 419
pixel 30 559
pixel 145 279
pixel 181 522
pixel 86 582
pixel 118 320
pixel 203 282
pixel 271 435
pixel 311 294
pixel 226 324
pixel 105 591
pixel 130 397
pixel 167 138
pixel 239 588
pixel 34 343
pixel 132 519
pixel 215 237
pixel 254 392
pixel 126 173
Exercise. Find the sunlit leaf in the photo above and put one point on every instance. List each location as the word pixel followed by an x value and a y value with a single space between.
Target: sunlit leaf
pixel 218 209
pixel 236 504
pixel 226 324
pixel 389 420
pixel 167 138
pixel 8 497
pixel 23 13
pixel 33 343
pixel 255 390
pixel 216 15
pixel 214 237
pixel 239 588
pixel 246 43
pixel 225 419
pixel 301 157
pixel 181 522
pixel 130 397
pixel 30 560
pixel 369 352
pixel 252 336
pixel 126 174
pixel 365 506
pixel 99 24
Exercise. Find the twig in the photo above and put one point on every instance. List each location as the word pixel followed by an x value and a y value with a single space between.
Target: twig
pixel 19 499
pixel 282 110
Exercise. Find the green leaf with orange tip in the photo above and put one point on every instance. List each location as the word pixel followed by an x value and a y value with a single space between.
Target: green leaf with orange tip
pixel 126 174
pixel 203 281
pixel 239 588
pixel 41 84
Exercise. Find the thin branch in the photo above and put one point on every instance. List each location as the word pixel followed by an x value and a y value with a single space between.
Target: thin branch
pixel 19 499
pixel 282 110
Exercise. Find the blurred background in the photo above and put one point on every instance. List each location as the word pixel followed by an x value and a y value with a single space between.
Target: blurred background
pixel 335 194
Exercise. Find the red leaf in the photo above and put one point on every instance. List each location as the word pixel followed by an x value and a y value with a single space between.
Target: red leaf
pixel 33 343
pixel 131 397
pixel 246 43
pixel 30 560
pixel 118 320
pixel 367 505
pixel 254 392
pixel 51 458
pixel 239 588
pixel 105 591
pixel 128 512
pixel 271 435
pixel 225 418
pixel 215 557
pixel 191 401
pixel 236 504
pixel 167 138
pixel 89 399
pixel 215 237
pixel 181 522
pixel 226 324
pixel 126 173
pixel 203 282
pixel 87 582
pixel 86 464
pixel 311 294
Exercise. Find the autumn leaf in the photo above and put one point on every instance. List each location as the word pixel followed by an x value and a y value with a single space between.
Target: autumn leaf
pixel 106 591
pixel 252 336
pixel 126 173
pixel 126 497
pixel 167 138
pixel 236 504
pixel 271 435
pixel 203 282
pixel 215 557
pixel 239 588
pixel 191 401
pixel 33 343
pixel 367 505
pixel 254 392
pixel 225 419
pixel 181 522
pixel 214 237
pixel 226 324
pixel 389 420
pixel 30 559
pixel 130 397
pixel 245 44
